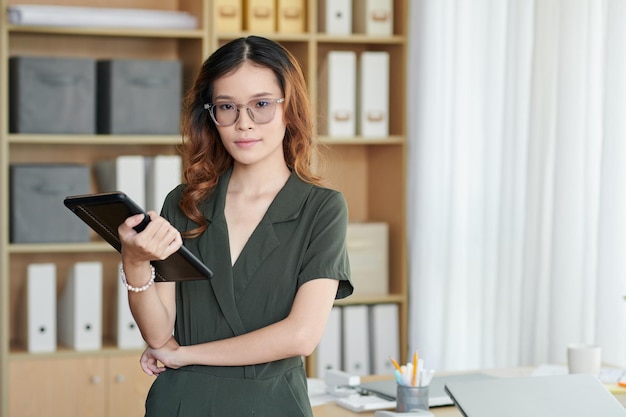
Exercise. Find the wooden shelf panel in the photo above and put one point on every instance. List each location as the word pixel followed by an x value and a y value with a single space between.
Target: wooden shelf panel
pixel 19 353
pixel 108 32
pixel 117 140
pixel 88 247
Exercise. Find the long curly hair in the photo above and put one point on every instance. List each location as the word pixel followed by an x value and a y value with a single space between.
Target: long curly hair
pixel 205 156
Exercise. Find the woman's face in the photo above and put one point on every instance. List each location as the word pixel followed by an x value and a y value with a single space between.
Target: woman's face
pixel 248 141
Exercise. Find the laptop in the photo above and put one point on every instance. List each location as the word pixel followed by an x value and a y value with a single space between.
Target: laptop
pixel 577 395
pixel 437 395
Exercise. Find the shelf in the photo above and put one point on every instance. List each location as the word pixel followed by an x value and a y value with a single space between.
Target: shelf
pixel 23 138
pixel 372 299
pixel 83 247
pixel 360 39
pixel 360 140
pixel 112 32
pixel 62 352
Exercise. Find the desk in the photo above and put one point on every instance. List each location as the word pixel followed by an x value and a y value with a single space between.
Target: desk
pixel 332 410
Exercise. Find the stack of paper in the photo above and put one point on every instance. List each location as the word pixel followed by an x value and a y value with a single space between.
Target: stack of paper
pixel 39 15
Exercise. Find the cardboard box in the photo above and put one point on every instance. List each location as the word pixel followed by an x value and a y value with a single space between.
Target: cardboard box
pixel 260 16
pixel 291 16
pixel 52 95
pixel 37 192
pixel 368 251
pixel 139 96
pixel 227 15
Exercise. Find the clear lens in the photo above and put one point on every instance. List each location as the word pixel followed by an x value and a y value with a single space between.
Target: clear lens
pixel 261 111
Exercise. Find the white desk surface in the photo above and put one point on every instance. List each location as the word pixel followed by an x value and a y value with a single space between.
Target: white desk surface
pixel 332 410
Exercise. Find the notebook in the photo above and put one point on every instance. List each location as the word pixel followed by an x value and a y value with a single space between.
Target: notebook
pixel 577 395
pixel 437 395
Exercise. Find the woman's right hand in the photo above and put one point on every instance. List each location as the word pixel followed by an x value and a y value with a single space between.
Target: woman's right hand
pixel 156 242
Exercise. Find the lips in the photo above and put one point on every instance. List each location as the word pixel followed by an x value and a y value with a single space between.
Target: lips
pixel 245 143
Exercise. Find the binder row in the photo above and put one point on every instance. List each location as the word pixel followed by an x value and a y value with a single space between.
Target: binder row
pixel 359 339
pixel 74 319
pixel 356 94
pixel 338 17
pixel 147 180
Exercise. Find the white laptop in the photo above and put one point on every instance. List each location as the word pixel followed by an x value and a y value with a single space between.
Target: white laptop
pixel 437 395
pixel 576 395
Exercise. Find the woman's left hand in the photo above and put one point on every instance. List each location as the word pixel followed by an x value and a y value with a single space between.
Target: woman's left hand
pixel 167 355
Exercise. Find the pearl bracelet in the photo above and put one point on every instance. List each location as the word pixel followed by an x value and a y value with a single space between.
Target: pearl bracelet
pixel 138 289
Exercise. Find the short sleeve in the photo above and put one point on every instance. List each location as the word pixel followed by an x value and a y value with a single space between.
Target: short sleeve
pixel 326 255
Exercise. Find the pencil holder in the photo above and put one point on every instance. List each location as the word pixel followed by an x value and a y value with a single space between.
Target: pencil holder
pixel 411 398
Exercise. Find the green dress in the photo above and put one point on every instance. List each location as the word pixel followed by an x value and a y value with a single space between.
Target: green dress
pixel 300 238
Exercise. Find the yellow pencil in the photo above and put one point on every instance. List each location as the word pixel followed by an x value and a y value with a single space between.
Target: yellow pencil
pixel 414 381
pixel 395 364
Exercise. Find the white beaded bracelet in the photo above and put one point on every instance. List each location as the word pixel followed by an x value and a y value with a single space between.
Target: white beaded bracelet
pixel 138 289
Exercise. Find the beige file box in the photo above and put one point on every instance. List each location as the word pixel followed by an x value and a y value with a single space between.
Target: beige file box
pixel 228 15
pixel 338 93
pixel 373 17
pixel 290 16
pixel 259 16
pixel 373 118
pixel 335 17
pixel 368 251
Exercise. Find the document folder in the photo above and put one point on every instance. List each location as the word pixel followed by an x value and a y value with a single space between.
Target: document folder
pixel 79 311
pixel 104 213
pixel 41 306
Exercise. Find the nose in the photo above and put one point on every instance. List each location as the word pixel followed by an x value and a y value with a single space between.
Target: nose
pixel 244 121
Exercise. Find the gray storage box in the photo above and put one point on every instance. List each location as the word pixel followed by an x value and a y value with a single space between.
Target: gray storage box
pixel 52 95
pixel 37 212
pixel 139 96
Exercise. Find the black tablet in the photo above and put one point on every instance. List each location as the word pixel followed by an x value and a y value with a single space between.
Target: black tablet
pixel 105 212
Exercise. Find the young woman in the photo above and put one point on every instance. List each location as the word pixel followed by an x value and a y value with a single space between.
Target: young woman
pixel 254 212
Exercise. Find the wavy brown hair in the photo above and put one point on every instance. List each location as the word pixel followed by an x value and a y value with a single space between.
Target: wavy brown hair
pixel 202 149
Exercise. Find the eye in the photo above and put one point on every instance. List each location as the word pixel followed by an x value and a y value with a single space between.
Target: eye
pixel 226 106
pixel 261 103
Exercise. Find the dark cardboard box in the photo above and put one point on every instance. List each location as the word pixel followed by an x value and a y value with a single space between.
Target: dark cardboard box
pixel 37 212
pixel 52 95
pixel 139 96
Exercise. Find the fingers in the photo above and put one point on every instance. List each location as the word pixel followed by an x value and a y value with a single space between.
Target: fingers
pixel 157 241
pixel 149 364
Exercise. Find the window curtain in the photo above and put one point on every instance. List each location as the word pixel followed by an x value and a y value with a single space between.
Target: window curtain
pixel 517 181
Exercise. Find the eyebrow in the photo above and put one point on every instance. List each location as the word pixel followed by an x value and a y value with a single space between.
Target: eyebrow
pixel 257 95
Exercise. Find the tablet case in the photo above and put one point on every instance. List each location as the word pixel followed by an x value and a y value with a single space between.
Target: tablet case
pixel 104 212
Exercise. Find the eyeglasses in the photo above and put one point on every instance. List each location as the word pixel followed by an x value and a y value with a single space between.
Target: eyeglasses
pixel 260 110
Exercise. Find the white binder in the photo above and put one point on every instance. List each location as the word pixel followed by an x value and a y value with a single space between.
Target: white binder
pixel 335 17
pixel 374 94
pixel 80 307
pixel 384 337
pixel 328 355
pixel 125 329
pixel 40 306
pixel 125 173
pixel 356 347
pixel 373 17
pixel 163 174
pixel 338 83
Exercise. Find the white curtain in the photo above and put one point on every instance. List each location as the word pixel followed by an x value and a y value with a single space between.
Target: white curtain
pixel 517 180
